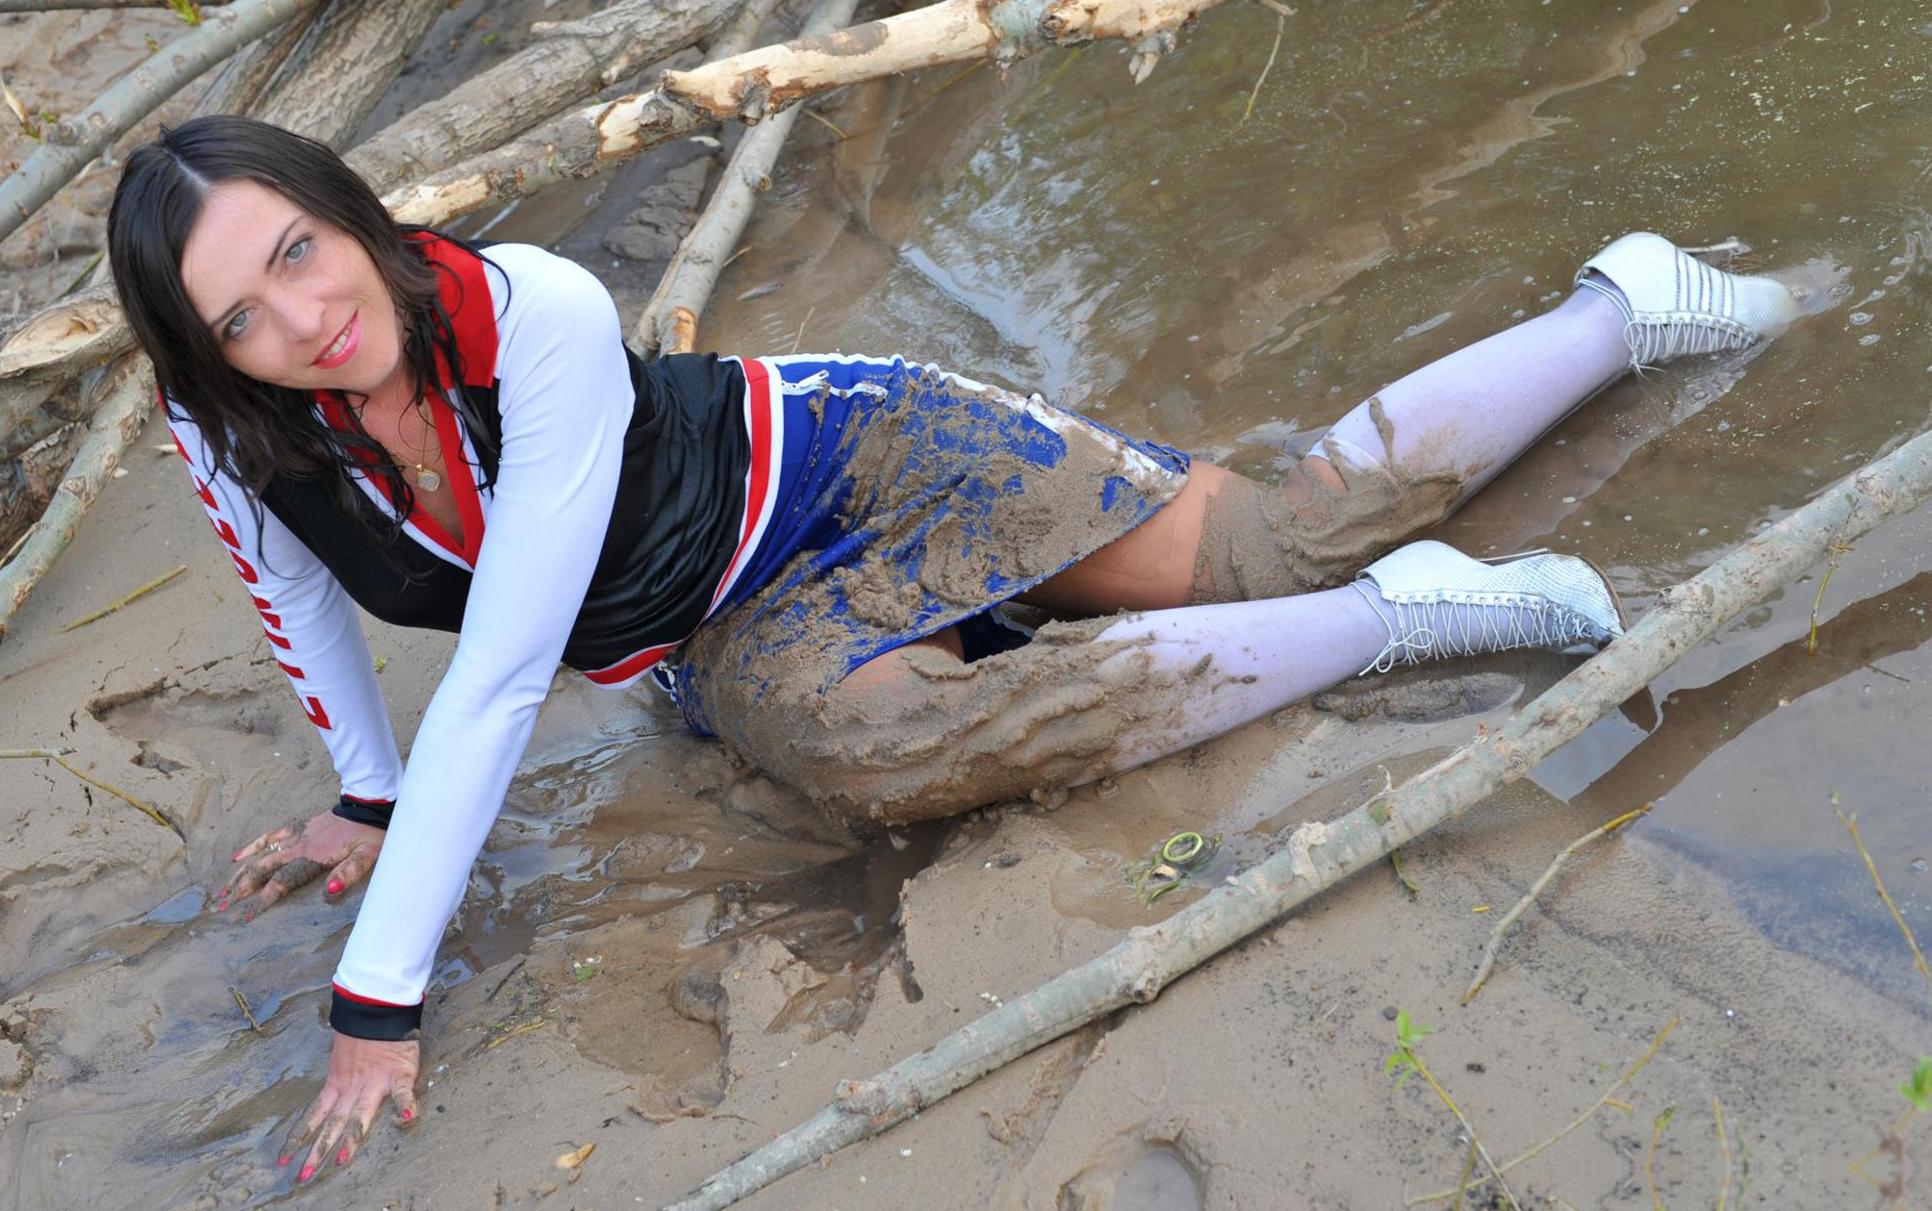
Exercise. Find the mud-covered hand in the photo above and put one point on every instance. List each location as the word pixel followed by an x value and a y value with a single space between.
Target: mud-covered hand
pixel 276 863
pixel 363 1074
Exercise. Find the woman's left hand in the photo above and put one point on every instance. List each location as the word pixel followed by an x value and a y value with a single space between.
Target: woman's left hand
pixel 363 1074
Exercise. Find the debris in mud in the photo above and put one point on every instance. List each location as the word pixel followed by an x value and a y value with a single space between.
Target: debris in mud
pixel 16 1065
pixel 665 212
pixel 1418 699
pixel 576 1156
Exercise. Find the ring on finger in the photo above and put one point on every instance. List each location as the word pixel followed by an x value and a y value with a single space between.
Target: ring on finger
pixel 274 847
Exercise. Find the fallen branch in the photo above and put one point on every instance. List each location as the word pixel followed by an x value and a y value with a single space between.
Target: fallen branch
pixel 669 321
pixel 760 83
pixel 59 758
pixel 1319 855
pixel 77 140
pixel 735 39
pixel 1536 889
pixel 54 6
pixel 50 348
pixel 126 394
pixel 122 601
pixel 348 57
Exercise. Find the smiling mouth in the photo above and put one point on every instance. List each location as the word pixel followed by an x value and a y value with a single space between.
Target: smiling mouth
pixel 340 348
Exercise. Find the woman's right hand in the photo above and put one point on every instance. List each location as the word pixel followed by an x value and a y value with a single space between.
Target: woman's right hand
pixel 363 1074
pixel 278 862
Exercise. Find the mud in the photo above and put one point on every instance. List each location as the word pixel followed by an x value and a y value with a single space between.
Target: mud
pixel 1231 287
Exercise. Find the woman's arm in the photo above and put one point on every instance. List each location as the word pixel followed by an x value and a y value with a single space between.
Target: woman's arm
pixel 565 398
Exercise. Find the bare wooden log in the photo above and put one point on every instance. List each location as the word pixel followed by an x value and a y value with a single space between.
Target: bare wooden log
pixel 29 476
pixel 752 86
pixel 598 137
pixel 679 331
pixel 572 61
pixel 53 345
pixel 55 6
pixel 1316 856
pixel 242 79
pixel 348 58
pixel 77 140
pixel 126 396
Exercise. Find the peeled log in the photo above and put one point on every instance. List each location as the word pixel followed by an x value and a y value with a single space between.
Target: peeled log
pixel 126 396
pixel 568 63
pixel 598 137
pixel 77 140
pixel 347 59
pixel 55 344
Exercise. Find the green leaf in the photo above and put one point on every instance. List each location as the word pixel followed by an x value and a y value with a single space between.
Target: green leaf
pixel 1918 1088
pixel 1663 1120
pixel 1408 1031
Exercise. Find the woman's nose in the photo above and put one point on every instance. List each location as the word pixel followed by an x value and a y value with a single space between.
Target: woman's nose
pixel 302 314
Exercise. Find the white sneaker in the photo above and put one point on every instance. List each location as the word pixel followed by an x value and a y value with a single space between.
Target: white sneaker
pixel 1674 304
pixel 1438 602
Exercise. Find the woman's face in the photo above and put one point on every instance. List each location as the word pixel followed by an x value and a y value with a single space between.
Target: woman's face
pixel 290 300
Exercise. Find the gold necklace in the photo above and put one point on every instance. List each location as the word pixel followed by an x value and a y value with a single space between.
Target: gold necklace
pixel 426 477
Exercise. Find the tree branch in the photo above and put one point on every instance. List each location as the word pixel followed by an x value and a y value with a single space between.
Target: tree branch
pixel 78 139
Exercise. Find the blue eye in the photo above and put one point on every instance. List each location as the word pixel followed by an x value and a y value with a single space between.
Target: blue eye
pixel 236 325
pixel 298 251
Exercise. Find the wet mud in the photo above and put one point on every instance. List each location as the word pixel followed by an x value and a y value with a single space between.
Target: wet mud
pixel 671 955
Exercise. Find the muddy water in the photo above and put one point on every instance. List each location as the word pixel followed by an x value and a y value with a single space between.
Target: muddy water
pixel 1412 177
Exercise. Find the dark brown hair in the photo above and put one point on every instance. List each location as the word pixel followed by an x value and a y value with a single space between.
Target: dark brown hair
pixel 256 430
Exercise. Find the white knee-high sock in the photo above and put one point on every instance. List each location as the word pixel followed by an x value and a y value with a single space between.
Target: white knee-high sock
pixel 1474 411
pixel 1260 656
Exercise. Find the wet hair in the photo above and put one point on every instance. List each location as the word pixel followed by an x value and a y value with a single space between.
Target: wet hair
pixel 256 430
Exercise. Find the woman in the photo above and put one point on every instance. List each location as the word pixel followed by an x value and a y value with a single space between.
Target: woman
pixel 807 548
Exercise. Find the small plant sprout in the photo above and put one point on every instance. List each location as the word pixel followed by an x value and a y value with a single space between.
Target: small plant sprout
pixel 1405 1062
pixel 1657 1126
pixel 1918 1087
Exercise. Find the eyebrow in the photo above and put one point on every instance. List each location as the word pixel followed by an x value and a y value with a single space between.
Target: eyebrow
pixel 273 252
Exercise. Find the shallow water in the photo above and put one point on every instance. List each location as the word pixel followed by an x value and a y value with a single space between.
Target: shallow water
pixel 1413 176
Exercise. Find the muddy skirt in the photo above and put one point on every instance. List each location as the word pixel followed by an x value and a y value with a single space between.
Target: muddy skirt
pixel 908 500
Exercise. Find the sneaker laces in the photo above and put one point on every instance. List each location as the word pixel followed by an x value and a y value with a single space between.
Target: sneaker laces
pixel 1703 321
pixel 1420 631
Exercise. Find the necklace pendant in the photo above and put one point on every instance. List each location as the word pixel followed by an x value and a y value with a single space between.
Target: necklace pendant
pixel 427 479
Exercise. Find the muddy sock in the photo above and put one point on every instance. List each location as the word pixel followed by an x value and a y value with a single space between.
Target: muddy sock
pixel 1220 666
pixel 1471 413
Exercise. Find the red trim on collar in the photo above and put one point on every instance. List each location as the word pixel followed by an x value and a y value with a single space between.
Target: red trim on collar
pixel 462 283
pixel 468 508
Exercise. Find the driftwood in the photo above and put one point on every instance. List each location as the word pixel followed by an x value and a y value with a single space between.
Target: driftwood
pixel 569 62
pixel 1316 856
pixel 54 6
pixel 241 80
pixel 345 61
pixel 77 140
pixel 126 395
pixel 668 323
pixel 759 83
pixel 54 345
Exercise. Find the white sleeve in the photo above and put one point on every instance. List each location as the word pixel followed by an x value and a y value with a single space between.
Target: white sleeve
pixel 564 393
pixel 311 625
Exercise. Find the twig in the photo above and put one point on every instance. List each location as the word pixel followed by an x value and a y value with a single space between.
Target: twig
pixel 1608 1098
pixel 1281 27
pixel 58 758
pixel 1724 1146
pixel 1475 1141
pixel 242 1001
pixel 826 122
pixel 1463 1183
pixel 118 602
pixel 513 1032
pixel 1536 889
pixel 1395 864
pixel 1657 1126
pixel 797 340
pixel 1918 956
pixel 1818 600
pixel 1280 8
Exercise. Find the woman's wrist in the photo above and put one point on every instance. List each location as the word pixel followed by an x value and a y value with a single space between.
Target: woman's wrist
pixel 366 1018
pixel 373 812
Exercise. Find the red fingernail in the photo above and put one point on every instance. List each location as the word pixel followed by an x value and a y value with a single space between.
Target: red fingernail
pixel 335 887
pixel 408 1114
pixel 342 1157
pixel 308 1171
pixel 249 919
pixel 237 856
pixel 282 1161
pixel 222 907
